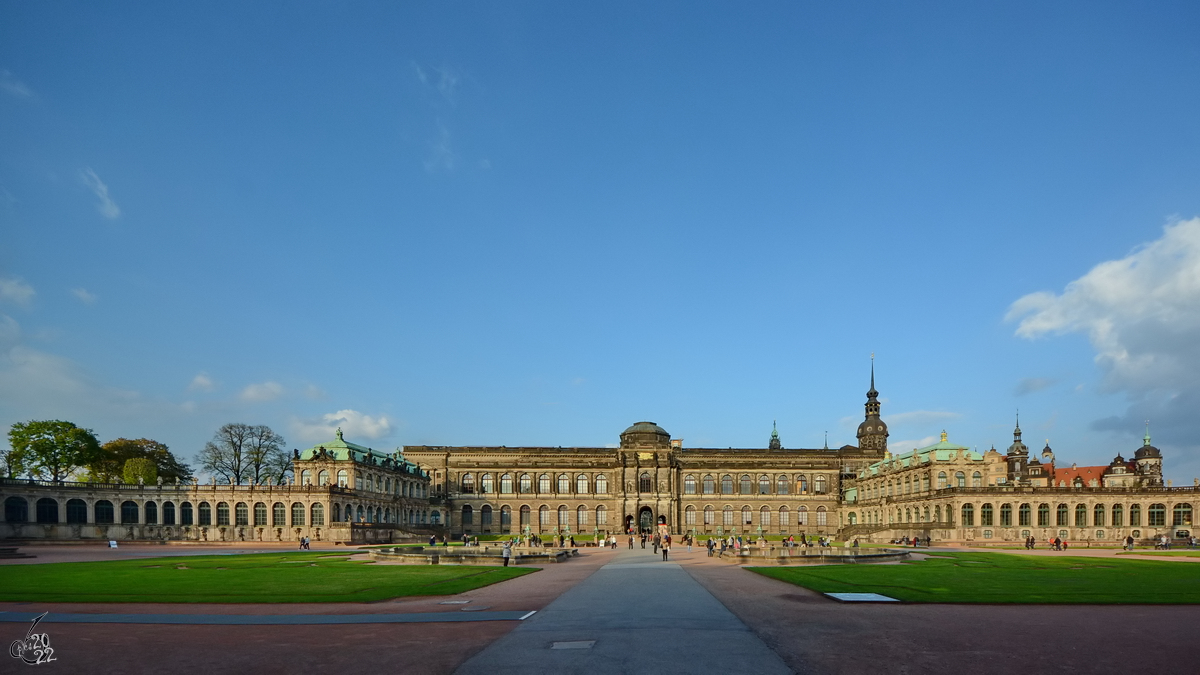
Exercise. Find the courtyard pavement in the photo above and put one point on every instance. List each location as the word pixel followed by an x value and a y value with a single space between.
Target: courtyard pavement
pixel 692 615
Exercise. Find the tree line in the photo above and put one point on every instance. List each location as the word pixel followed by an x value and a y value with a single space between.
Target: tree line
pixel 57 450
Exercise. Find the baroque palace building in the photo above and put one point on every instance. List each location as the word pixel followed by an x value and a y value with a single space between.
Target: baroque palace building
pixel 341 492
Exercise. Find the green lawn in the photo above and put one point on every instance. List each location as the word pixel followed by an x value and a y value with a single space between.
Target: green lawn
pixel 1004 578
pixel 1186 552
pixel 261 577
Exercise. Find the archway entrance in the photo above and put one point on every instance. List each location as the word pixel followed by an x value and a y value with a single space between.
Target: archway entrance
pixel 646 519
pixel 629 524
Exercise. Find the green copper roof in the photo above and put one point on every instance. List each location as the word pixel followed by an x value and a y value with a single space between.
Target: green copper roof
pixel 942 451
pixel 340 449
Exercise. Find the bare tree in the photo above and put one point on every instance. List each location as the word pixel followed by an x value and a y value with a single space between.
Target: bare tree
pixel 225 455
pixel 268 461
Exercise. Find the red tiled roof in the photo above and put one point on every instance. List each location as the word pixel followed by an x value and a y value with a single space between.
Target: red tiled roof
pixel 1067 475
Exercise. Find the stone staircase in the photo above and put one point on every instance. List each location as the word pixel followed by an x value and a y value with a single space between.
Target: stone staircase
pixel 10 552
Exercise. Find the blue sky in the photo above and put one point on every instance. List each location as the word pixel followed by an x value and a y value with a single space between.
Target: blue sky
pixel 517 223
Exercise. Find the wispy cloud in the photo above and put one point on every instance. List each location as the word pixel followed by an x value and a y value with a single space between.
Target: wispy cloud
pixel 264 391
pixel 84 295
pixel 441 151
pixel 107 207
pixel 15 290
pixel 920 417
pixel 10 85
pixel 1029 385
pixel 352 423
pixel 444 79
pixel 911 444
pixel 202 382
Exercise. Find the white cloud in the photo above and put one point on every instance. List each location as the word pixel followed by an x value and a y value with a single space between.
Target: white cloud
pixel 354 425
pixel 1141 314
pixel 1029 385
pixel 14 87
pixel 84 296
pixel 441 151
pixel 107 207
pixel 202 382
pixel 15 290
pixel 265 391
pixel 314 392
pixel 908 445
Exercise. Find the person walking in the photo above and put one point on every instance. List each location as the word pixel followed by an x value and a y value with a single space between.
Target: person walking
pixel 506 552
pixel 666 546
pixel 631 542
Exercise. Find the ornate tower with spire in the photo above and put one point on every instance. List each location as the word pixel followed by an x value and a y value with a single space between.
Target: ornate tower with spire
pixel 1148 460
pixel 1018 455
pixel 873 433
pixel 775 444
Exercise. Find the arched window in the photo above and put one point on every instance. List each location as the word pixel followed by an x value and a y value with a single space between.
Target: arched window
pixel 241 514
pixel 976 479
pixel 359 515
pixel 968 515
pixel 924 482
pixel 323 477
pixel 937 514
pixel 129 513
pixel 16 510
pixel 1118 516
pixel 601 515
pixel 581 517
pixel 710 485
pixel 782 484
pixel 1098 516
pixel 222 513
pixel 1062 515
pixel 318 514
pixel 168 513
pixel 689 515
pixel 907 485
pixel 747 516
pixel 297 514
pixel 1080 515
pixel 505 518
pixel 801 485
pixel 802 516
pixel 260 514
pixel 1006 515
pixel 1181 514
pixel 960 479
pixel 185 513
pixel 764 485
pixel 784 516
pixel 468 515
pixel 1156 515
pixel 564 484
pixel 204 514
pixel 487 484
pixel 278 515
pixel 485 515
pixel 1024 515
pixel 644 483
pixel 689 484
pixel 468 483
pixel 306 477
pixel 601 485
pixel 727 515
pixel 726 484
pixel 563 516
pixel 1135 515
pixel 710 515
pixel 986 515
pixel 746 485
pixel 1043 515
pixel 908 515
pixel 506 484
pixel 525 484
pixel 358 481
pixel 581 484
pixel 822 516
pixel 342 478
pixel 104 511
pixel 544 483
pixel 764 516
pixel 544 515
pixel 47 510
pixel 525 511
pixel 819 485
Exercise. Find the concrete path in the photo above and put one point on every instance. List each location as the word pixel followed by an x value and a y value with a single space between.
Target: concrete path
pixel 636 614
pixel 266 619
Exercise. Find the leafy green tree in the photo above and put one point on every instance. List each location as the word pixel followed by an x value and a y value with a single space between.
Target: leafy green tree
pixel 50 448
pixel 140 467
pixel 240 453
pixel 110 465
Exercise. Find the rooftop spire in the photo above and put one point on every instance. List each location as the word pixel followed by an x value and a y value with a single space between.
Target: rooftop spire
pixel 872 392
pixel 1146 438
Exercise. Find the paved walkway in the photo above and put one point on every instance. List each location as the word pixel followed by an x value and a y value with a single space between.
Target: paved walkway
pixel 636 614
pixel 265 619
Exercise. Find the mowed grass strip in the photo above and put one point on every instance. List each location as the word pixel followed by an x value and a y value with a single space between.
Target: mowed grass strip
pixel 261 577
pixel 1005 578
